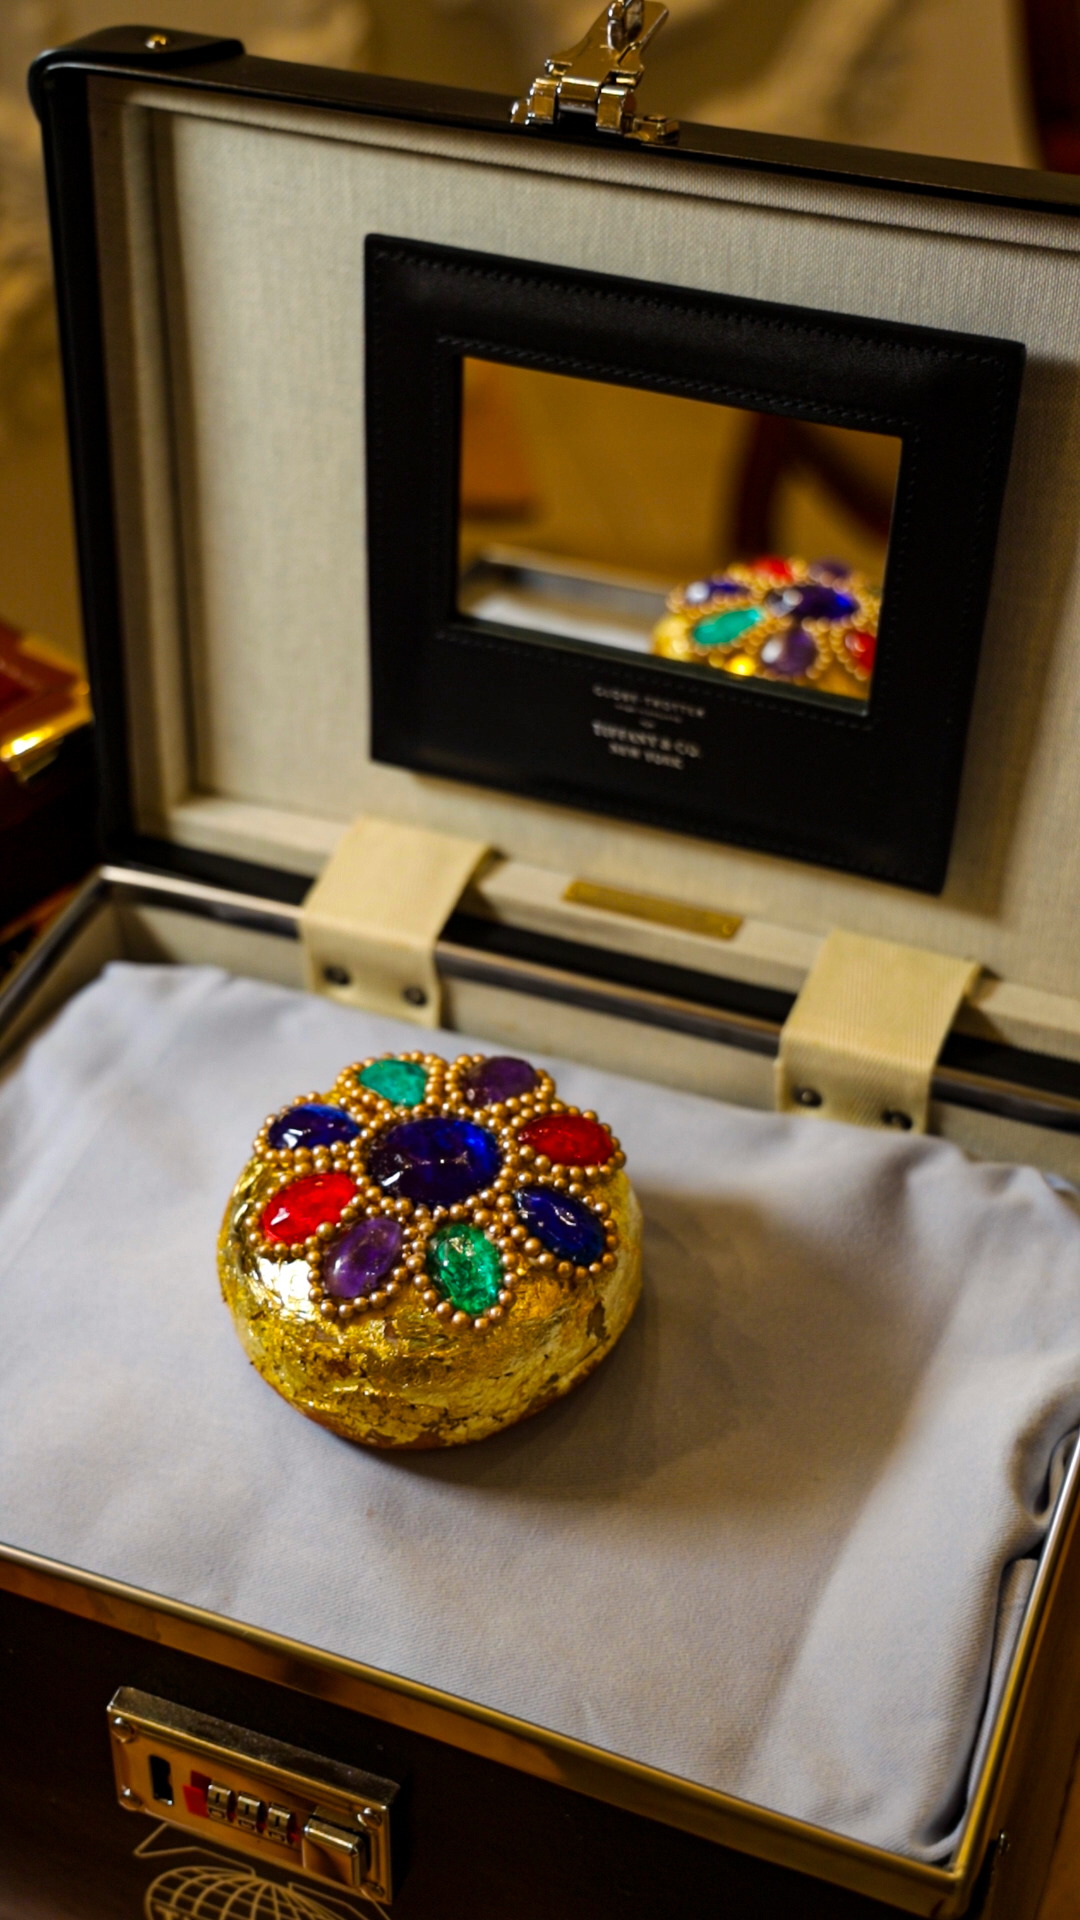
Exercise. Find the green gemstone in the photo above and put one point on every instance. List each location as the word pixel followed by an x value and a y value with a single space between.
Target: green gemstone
pixel 466 1266
pixel 720 629
pixel 402 1081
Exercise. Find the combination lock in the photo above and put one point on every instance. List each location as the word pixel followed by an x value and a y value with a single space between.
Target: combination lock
pixel 266 1800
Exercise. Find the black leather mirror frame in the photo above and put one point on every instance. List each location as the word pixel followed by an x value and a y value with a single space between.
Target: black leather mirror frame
pixel 873 790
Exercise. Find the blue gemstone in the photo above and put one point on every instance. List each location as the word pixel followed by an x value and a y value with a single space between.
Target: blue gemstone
pixel 811 602
pixel 717 587
pixel 435 1162
pixel 314 1126
pixel 567 1228
pixel 842 605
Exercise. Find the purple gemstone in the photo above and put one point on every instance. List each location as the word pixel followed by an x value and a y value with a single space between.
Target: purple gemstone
pixel 719 583
pixel 311 1126
pixel 503 1077
pixel 435 1162
pixel 790 653
pixel 811 602
pixel 829 570
pixel 362 1258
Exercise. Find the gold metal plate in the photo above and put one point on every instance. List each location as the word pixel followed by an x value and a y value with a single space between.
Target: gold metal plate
pixel 237 1789
pixel 649 906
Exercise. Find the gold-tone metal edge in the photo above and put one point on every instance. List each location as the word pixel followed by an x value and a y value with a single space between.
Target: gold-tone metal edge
pixel 489 1734
pixel 289 1779
pixel 988 1795
pixel 26 753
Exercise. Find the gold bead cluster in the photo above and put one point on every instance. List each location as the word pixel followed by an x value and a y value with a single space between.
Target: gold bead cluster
pixel 492 1209
pixel 673 636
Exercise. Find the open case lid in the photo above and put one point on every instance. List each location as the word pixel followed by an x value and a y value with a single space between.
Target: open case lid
pixel 211 215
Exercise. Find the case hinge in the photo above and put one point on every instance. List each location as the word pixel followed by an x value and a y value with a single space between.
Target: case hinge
pixel 862 1039
pixel 598 78
pixel 370 923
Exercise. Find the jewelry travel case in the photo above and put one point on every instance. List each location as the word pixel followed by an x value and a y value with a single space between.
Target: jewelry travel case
pixel 360 735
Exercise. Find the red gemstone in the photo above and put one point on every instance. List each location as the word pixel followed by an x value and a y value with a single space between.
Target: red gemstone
pixel 300 1209
pixel 774 565
pixel 568 1139
pixel 861 647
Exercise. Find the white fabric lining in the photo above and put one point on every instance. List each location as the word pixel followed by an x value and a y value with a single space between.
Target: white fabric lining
pixel 763 1549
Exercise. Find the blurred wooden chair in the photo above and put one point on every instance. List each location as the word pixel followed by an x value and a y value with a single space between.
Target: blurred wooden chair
pixel 1052 31
pixel 845 468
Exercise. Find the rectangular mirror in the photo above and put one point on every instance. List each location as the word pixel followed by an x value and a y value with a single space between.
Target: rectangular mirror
pixel 750 544
pixel 653 552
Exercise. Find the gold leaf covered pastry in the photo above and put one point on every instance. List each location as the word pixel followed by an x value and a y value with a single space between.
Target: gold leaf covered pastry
pixel 431 1251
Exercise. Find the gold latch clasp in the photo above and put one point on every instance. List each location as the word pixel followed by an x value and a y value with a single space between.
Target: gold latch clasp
pixel 599 77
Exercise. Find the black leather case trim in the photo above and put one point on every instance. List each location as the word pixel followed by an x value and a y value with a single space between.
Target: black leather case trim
pixel 872 792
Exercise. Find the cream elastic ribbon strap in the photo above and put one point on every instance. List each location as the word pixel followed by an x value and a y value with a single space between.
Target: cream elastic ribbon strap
pixel 861 1041
pixel 370 923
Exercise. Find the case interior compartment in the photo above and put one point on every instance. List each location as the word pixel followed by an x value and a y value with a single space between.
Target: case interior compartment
pixel 240 486
pixel 130 916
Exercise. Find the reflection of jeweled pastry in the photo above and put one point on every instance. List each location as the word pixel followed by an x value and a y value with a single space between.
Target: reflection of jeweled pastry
pixel 430 1252
pixel 777 619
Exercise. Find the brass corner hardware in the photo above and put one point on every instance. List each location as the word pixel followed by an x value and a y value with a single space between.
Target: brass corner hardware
pixel 598 78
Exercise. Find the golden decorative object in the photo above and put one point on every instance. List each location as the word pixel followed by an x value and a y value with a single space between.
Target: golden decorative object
pixel 42 699
pixel 407 1265
pixel 779 619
